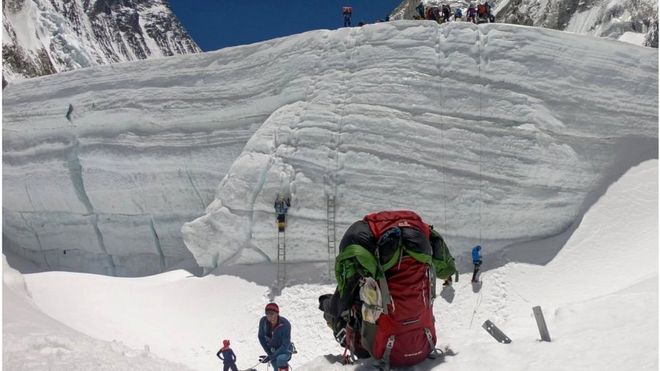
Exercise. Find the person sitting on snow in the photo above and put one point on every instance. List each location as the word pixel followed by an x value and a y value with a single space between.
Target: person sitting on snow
pixel 275 338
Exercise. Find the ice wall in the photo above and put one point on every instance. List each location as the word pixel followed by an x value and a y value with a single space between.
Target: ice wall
pixel 495 133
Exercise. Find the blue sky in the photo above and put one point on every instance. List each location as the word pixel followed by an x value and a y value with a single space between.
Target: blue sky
pixel 216 24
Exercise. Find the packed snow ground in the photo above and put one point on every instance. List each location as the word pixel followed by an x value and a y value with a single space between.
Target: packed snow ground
pixel 503 130
pixel 599 296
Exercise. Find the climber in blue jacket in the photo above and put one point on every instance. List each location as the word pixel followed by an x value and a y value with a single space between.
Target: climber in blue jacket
pixel 476 260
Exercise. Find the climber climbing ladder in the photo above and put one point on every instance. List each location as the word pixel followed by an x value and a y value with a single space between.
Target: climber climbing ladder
pixel 332 244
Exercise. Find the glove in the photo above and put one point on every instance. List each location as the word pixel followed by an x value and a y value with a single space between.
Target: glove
pixel 264 359
pixel 323 299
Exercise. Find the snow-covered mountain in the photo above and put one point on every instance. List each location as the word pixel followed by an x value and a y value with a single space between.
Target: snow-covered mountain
pixel 509 133
pixel 41 37
pixel 634 21
pixel 614 19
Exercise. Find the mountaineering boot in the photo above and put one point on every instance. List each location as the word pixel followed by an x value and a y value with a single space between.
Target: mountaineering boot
pixel 475 273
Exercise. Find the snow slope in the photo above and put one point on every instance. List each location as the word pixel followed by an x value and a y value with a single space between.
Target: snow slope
pixel 32 340
pixel 496 127
pixel 599 296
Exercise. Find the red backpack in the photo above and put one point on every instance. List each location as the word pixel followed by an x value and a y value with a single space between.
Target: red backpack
pixel 404 333
pixel 386 272
pixel 481 10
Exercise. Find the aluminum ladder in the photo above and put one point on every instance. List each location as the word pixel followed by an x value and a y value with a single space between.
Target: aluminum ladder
pixel 332 242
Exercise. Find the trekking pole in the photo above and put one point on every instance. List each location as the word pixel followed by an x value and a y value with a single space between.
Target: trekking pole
pixel 252 368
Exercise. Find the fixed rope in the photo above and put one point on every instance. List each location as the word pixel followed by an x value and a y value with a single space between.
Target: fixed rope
pixel 442 139
pixel 481 136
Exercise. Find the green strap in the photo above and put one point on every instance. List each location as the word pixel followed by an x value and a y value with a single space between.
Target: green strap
pixel 420 257
pixel 355 257
pixel 346 264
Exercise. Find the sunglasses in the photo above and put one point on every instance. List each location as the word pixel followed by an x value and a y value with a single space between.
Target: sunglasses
pixel 270 313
